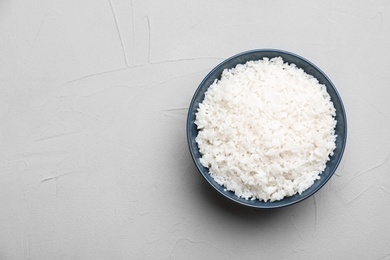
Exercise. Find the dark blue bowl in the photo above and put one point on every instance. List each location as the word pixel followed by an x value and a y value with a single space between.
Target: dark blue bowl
pixel 309 68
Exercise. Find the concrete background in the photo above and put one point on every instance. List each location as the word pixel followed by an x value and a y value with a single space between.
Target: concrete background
pixel 94 162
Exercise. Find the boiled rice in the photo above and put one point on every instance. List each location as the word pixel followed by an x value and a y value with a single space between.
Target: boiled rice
pixel 266 129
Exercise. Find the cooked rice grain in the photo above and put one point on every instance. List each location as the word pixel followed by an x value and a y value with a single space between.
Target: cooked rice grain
pixel 266 129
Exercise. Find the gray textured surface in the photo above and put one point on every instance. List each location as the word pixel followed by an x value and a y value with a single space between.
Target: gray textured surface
pixel 93 156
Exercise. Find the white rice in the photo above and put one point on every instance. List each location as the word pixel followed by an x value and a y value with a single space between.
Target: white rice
pixel 266 129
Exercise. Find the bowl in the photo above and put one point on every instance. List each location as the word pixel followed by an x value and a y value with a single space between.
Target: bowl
pixel 309 68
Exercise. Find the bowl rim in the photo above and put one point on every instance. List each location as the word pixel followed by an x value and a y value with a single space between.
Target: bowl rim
pixel 235 198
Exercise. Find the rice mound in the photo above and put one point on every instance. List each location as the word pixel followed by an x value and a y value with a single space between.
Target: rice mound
pixel 266 129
